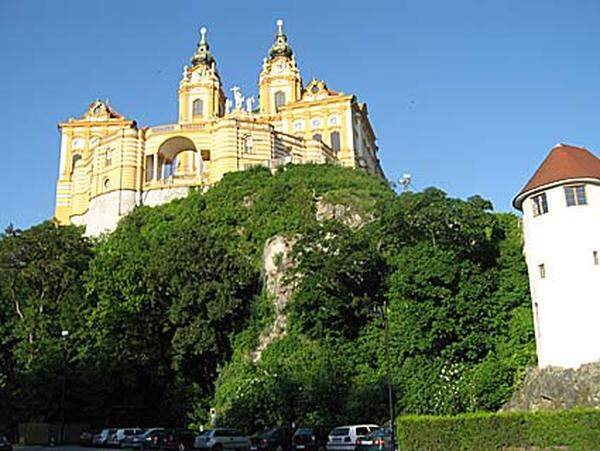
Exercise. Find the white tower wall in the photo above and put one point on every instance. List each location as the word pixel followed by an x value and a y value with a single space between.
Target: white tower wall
pixel 566 302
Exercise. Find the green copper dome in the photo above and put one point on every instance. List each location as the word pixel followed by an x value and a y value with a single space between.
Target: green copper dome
pixel 280 47
pixel 202 54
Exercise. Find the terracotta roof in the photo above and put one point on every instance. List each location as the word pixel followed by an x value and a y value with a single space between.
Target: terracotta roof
pixel 564 162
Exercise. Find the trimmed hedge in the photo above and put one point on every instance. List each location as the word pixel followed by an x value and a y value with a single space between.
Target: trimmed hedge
pixel 575 429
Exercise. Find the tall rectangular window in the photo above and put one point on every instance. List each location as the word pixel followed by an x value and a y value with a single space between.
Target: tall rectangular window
pixel 542 269
pixel 335 140
pixel 540 204
pixel 149 167
pixel 596 258
pixel 575 195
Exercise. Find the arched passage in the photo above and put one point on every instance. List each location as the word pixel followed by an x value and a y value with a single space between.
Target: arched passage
pixel 177 157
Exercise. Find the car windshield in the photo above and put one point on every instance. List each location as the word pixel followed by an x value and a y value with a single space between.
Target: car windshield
pixel 304 431
pixel 337 432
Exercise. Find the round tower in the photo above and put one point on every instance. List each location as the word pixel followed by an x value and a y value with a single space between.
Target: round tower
pixel 561 227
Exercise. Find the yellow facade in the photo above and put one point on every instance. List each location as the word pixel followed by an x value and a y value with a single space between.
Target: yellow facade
pixel 108 164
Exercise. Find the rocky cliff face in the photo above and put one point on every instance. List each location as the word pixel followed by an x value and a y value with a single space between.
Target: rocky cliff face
pixel 558 388
pixel 276 262
pixel 343 213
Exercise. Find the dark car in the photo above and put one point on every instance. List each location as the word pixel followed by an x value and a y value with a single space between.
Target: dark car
pixel 378 440
pixel 154 440
pixel 137 440
pixel 178 439
pixel 5 444
pixel 309 439
pixel 275 439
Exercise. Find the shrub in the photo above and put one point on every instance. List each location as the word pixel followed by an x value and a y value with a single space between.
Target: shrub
pixel 575 429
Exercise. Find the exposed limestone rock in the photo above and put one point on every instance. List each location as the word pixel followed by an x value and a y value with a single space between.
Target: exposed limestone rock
pixel 276 262
pixel 558 388
pixel 344 213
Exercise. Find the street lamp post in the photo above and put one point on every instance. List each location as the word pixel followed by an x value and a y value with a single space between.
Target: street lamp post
pixel 64 334
pixel 382 311
pixel 389 374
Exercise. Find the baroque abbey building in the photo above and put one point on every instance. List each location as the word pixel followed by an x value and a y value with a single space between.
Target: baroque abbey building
pixel 108 164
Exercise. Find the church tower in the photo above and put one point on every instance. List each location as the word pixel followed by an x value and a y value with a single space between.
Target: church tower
pixel 280 82
pixel 201 94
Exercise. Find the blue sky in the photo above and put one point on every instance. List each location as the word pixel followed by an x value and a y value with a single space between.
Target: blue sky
pixel 467 95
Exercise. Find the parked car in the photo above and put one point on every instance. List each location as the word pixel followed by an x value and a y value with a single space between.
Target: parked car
pixel 378 440
pixel 275 439
pixel 309 439
pixel 136 441
pixel 178 439
pixel 154 439
pixel 101 438
pixel 222 439
pixel 5 444
pixel 120 435
pixel 344 438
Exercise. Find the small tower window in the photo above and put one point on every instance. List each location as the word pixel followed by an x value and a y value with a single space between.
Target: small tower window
pixel 198 108
pixel 335 140
pixel 542 269
pixel 108 157
pixel 317 137
pixel 106 184
pixel 540 204
pixel 575 195
pixel 596 258
pixel 279 99
pixel 248 144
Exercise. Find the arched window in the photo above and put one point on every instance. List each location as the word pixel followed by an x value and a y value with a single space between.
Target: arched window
pixel 106 184
pixel 317 137
pixel 198 107
pixel 334 138
pixel 279 99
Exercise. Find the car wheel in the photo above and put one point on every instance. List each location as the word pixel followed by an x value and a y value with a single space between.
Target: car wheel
pixel 217 447
pixel 181 447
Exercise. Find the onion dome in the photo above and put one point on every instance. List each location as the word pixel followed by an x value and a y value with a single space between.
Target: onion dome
pixel 202 54
pixel 280 47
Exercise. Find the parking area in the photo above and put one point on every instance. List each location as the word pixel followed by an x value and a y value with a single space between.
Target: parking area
pixel 57 448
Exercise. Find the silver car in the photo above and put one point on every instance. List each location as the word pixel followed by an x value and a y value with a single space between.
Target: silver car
pixel 222 439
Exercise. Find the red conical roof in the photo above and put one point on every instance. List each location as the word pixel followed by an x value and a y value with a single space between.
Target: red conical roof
pixel 564 162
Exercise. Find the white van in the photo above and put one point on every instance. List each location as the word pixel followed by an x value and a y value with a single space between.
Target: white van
pixel 344 438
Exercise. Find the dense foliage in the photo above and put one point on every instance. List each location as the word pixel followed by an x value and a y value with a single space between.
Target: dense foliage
pixel 164 313
pixel 571 429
